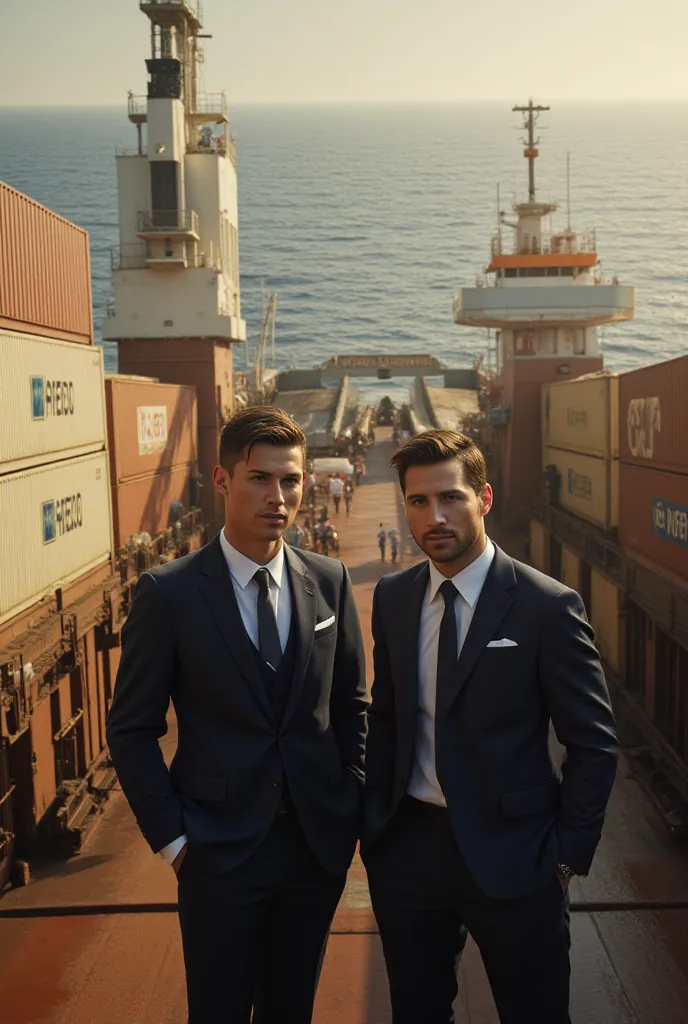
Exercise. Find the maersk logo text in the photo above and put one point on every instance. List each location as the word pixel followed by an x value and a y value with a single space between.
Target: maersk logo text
pixel 61 516
pixel 670 521
pixel 51 398
pixel 580 486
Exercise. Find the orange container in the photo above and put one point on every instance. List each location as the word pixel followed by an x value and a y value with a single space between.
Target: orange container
pixel 653 516
pixel 143 505
pixel 653 416
pixel 153 441
pixel 151 426
pixel 45 272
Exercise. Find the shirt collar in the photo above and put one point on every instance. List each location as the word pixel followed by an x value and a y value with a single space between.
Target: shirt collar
pixel 470 581
pixel 243 569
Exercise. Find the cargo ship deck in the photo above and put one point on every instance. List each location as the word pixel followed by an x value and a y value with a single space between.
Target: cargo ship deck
pixel 95 937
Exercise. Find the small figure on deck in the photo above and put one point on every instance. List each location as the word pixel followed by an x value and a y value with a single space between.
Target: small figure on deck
pixel 348 495
pixel 336 491
pixel 393 535
pixel 382 541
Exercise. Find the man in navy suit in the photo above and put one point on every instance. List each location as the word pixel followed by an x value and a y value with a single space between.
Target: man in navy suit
pixel 259 648
pixel 469 826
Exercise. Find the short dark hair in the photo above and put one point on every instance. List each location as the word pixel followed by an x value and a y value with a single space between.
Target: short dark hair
pixel 259 424
pixel 436 446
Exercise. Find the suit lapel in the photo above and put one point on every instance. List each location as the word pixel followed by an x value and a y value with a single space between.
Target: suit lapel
pixel 409 642
pixel 218 594
pixel 304 610
pixel 493 604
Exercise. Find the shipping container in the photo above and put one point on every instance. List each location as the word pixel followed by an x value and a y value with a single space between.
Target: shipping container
pixel 654 516
pixel 589 487
pixel 45 271
pixel 56 526
pixel 52 400
pixel 151 426
pixel 582 415
pixel 653 416
pixel 539 541
pixel 604 618
pixel 150 504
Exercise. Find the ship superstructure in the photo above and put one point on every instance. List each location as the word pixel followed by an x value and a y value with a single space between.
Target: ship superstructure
pixel 177 308
pixel 547 300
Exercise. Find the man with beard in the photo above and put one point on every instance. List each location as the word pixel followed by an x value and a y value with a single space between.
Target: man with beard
pixel 470 828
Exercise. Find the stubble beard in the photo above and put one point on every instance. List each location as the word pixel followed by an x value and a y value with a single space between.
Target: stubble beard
pixel 461 546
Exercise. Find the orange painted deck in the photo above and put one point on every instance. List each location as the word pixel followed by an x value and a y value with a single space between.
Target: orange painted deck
pixel 628 968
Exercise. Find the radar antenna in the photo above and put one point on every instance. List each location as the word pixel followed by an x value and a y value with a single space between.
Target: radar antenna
pixel 531 153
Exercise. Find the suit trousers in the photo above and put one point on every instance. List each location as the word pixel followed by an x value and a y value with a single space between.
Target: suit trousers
pixel 256 936
pixel 426 903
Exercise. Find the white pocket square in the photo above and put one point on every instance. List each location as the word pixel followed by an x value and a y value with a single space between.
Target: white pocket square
pixel 325 624
pixel 502 643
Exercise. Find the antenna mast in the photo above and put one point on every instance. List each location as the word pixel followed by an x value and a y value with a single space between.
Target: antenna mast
pixel 531 151
pixel 568 189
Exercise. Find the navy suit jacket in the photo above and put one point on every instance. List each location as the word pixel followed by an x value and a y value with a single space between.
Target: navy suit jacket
pixel 184 641
pixel 514 816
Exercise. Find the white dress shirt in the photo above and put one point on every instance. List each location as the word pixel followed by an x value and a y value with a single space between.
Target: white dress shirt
pixel 424 784
pixel 241 572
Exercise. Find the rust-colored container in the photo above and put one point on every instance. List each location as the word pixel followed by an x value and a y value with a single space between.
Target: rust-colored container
pixel 45 271
pixel 151 426
pixel 653 519
pixel 144 504
pixel 43 758
pixel 653 415
pixel 153 437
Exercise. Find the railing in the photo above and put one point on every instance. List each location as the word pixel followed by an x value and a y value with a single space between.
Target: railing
pixel 552 246
pixel 138 105
pixel 128 257
pixel 165 221
pixel 211 103
pixel 136 257
pixel 194 6
pixel 119 151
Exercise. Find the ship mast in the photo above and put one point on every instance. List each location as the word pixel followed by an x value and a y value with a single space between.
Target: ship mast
pixel 531 114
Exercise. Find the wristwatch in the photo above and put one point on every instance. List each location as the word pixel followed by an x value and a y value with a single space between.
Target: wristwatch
pixel 564 871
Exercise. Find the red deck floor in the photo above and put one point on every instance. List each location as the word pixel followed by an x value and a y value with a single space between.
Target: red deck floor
pixel 628 968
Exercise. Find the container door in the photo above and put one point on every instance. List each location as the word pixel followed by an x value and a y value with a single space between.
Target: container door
pixel 682 737
pixel 6 813
pixel 636 630
pixel 666 686
pixel 555 558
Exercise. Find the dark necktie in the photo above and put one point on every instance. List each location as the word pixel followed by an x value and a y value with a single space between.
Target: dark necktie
pixel 268 634
pixel 448 650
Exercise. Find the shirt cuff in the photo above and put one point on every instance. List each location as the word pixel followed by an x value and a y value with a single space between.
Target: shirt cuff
pixel 170 852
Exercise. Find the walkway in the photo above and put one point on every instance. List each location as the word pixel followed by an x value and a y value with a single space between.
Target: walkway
pixel 629 968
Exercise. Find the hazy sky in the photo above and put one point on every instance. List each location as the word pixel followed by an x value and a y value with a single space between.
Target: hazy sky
pixel 74 52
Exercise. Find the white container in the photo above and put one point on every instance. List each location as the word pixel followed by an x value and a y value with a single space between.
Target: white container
pixel 55 525
pixel 52 400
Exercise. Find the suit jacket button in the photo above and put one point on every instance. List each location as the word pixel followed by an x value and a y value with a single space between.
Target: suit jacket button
pixel 275 785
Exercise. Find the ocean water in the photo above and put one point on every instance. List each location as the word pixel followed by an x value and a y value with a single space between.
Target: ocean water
pixel 367 219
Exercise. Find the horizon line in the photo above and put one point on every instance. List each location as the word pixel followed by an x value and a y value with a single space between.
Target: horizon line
pixel 111 105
